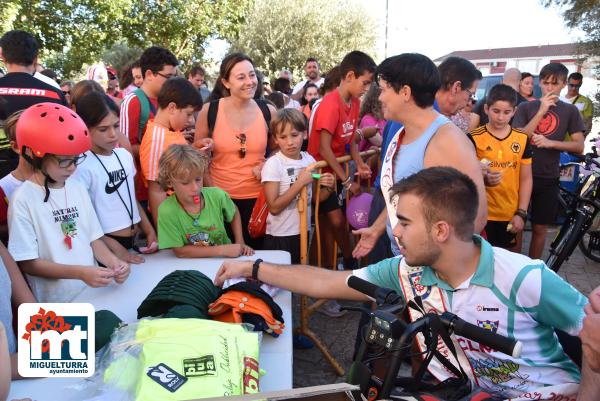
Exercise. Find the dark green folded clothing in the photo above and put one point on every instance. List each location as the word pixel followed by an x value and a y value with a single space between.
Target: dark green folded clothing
pixel 180 288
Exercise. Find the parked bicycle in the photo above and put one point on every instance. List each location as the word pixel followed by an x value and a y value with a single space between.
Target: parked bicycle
pixel 580 226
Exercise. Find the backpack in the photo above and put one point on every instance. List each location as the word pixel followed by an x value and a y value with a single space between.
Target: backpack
pixel 257 225
pixel 213 108
pixel 146 106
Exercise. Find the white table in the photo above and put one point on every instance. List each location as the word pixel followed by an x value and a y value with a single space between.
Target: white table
pixel 123 300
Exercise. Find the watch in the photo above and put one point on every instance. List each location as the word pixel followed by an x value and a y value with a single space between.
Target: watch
pixel 521 213
pixel 255 267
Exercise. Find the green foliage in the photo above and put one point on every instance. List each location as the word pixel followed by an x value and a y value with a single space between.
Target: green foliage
pixel 282 34
pixel 120 56
pixel 75 32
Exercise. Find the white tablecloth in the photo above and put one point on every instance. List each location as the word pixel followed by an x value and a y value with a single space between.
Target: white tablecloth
pixel 123 300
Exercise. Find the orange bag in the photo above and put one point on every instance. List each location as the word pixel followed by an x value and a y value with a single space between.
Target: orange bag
pixel 257 226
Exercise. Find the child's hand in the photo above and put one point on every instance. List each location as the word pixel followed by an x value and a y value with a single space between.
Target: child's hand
pixel 235 250
pixel 516 224
pixel 257 171
pixel 492 178
pixel 305 177
pixel 121 270
pixel 541 141
pixel 246 250
pixel 364 171
pixel 205 145
pixel 96 276
pixel 548 101
pixel 327 180
pixel 354 188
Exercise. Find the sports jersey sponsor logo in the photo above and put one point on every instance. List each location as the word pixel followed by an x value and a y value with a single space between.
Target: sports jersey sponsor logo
pixel 491 325
pixel 29 92
pixel 515 147
pixel 503 165
pixel 481 308
pixel 468 345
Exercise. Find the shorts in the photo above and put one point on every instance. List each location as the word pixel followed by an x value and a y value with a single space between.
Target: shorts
pixel 334 201
pixel 544 200
pixel 290 243
pixel 497 235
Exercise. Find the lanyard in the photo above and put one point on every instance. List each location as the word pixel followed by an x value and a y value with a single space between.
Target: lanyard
pixel 130 208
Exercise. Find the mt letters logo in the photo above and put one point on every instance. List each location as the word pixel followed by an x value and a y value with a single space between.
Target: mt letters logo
pixel 56 340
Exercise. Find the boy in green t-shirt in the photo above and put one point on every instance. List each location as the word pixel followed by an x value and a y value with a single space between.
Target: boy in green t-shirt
pixel 192 219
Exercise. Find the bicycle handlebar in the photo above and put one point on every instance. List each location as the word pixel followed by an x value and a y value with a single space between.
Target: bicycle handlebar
pixel 451 321
pixel 481 335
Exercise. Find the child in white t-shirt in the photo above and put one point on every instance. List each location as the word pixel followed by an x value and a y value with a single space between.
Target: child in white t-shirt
pixel 54 232
pixel 284 175
pixel 108 174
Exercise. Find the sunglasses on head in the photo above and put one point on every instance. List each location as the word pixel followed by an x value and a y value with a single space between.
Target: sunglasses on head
pixel 242 138
pixel 67 162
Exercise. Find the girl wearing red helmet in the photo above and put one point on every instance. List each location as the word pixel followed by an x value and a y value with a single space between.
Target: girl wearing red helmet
pixel 53 230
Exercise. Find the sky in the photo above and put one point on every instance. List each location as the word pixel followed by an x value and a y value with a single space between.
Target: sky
pixel 436 28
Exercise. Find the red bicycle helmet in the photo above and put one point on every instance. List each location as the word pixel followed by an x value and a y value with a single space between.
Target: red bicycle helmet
pixel 50 128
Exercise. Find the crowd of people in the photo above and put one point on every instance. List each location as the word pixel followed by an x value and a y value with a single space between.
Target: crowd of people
pixel 97 173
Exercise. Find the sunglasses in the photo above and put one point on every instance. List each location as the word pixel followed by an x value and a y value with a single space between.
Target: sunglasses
pixel 67 162
pixel 242 138
pixel 574 85
pixel 66 92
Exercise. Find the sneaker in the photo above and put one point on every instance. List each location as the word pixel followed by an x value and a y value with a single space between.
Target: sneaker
pixel 332 309
pixel 302 342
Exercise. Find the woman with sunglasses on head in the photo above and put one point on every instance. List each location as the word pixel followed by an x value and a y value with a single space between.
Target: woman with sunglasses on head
pixel 238 125
pixel 55 234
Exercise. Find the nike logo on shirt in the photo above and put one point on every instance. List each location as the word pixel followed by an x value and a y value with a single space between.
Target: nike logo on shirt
pixel 116 179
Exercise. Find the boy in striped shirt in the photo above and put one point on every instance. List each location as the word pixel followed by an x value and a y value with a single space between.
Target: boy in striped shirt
pixel 178 100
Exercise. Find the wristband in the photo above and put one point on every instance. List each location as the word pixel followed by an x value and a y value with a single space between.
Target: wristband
pixel 346 181
pixel 521 213
pixel 316 176
pixel 360 134
pixel 255 267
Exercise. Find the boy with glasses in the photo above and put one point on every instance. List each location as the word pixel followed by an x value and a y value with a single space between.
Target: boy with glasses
pixel 546 122
pixel 157 65
pixel 583 103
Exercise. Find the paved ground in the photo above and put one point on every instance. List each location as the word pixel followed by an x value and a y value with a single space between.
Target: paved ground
pixel 310 368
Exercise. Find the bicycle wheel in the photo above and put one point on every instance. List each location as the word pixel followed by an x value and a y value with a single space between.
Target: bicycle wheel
pixel 590 245
pixel 566 244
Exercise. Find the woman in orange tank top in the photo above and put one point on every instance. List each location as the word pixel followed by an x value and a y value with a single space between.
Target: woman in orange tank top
pixel 240 136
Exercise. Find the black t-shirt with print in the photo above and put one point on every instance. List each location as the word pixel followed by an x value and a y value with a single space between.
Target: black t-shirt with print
pixel 19 90
pixel 561 119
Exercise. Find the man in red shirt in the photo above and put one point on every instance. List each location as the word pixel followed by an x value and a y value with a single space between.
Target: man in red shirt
pixel 158 65
pixel 333 128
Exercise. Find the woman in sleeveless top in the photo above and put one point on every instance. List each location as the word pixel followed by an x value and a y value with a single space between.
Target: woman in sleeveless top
pixel 240 136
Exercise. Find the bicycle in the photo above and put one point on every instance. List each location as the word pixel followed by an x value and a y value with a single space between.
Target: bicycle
pixel 388 335
pixel 582 207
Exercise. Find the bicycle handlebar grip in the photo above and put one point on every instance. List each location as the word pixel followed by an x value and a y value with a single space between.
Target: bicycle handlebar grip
pixel 360 285
pixel 487 337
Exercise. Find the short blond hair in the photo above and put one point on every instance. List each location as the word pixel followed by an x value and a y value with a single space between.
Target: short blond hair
pixel 180 162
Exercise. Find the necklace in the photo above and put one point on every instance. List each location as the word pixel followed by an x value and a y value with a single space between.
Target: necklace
pixel 67 225
pixel 129 209
pixel 195 219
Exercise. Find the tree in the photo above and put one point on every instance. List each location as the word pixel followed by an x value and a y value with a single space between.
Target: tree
pixel 282 34
pixel 585 15
pixel 75 32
